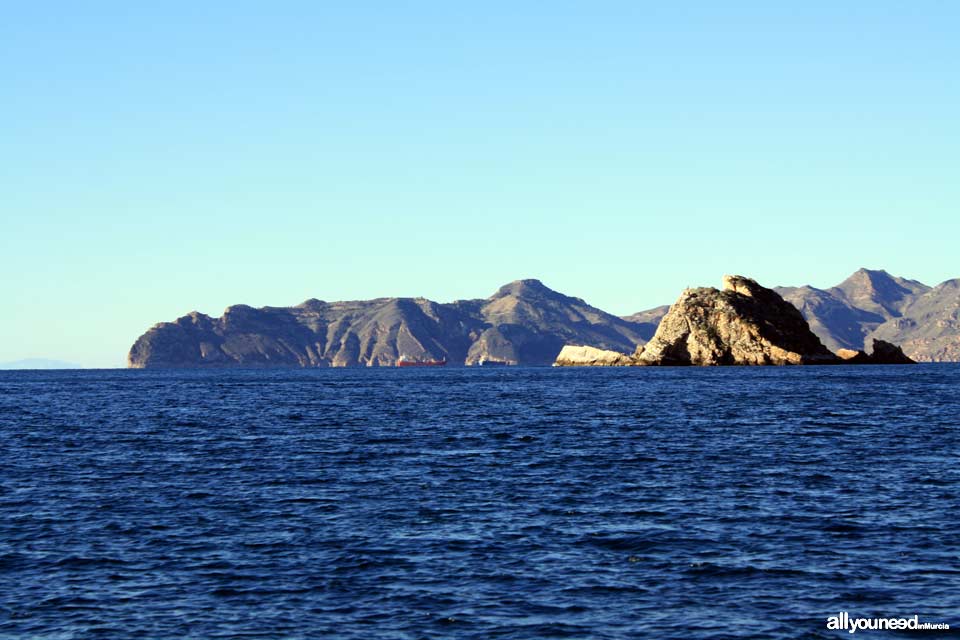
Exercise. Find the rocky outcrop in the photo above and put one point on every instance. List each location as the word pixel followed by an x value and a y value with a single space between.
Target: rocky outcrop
pixel 853 356
pixel 886 353
pixel 524 322
pixel 883 353
pixel 742 324
pixel 584 356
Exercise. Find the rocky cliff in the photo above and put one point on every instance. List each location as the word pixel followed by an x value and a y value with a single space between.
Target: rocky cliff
pixel 883 353
pixel 742 324
pixel 524 322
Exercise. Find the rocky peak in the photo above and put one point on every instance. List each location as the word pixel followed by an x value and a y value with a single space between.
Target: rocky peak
pixel 311 304
pixel 745 323
pixel 525 300
pixel 947 286
pixel 879 292
pixel 238 310
pixel 740 284
pixel 526 287
pixel 194 319
pixel 868 280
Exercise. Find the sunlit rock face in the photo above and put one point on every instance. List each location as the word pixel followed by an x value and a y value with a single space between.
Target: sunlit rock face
pixel 584 356
pixel 742 324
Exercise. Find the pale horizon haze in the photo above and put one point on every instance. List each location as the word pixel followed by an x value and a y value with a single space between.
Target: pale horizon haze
pixel 159 159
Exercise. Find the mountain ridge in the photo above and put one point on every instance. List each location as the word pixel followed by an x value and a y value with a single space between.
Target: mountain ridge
pixel 523 322
pixel 873 304
pixel 526 322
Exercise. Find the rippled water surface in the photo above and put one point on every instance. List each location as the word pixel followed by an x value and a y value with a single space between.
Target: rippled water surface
pixel 459 503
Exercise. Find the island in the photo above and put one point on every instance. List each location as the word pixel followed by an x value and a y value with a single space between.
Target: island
pixel 743 323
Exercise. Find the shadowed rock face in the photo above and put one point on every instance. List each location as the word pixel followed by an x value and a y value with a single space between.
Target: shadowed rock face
pixel 883 353
pixel 524 322
pixel 886 353
pixel 744 324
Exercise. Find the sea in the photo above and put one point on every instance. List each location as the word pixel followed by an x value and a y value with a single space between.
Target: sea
pixel 467 503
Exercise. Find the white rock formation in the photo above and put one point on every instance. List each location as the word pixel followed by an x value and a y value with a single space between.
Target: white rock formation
pixel 584 356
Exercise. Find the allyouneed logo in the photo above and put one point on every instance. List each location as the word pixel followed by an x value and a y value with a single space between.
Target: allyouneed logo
pixel 844 622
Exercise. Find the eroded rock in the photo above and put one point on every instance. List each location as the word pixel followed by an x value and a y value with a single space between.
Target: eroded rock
pixel 742 324
pixel 584 356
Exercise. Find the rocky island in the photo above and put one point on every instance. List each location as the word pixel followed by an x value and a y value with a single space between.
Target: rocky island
pixel 743 323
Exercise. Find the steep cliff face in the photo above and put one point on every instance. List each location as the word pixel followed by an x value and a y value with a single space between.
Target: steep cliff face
pixel 743 324
pixel 524 322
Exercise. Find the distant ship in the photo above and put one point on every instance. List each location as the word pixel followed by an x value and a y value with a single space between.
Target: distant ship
pixel 407 361
pixel 483 362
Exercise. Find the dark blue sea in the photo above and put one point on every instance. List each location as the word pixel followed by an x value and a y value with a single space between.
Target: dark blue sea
pixel 518 503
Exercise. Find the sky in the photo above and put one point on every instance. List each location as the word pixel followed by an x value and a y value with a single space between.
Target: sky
pixel 158 158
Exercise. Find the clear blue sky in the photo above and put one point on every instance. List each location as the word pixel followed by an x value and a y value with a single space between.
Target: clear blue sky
pixel 157 158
